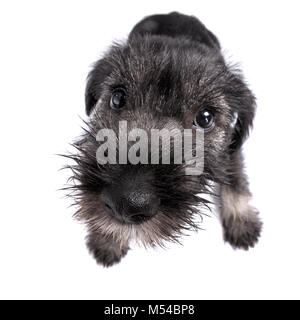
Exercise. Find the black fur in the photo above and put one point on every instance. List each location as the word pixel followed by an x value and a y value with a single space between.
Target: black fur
pixel 171 66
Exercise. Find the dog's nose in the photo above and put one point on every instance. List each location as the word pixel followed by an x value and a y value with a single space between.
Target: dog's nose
pixel 139 205
pixel 134 206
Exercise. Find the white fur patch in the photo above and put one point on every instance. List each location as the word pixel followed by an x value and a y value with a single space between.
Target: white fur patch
pixel 234 204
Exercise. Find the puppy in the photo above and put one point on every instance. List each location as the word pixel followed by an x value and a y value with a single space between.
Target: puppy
pixel 169 75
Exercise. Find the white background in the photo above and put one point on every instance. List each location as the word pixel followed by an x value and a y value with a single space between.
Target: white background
pixel 46 49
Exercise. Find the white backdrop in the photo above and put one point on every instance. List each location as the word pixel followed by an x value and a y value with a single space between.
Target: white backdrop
pixel 46 49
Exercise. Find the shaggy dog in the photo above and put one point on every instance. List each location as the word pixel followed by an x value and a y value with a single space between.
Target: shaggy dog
pixel 169 74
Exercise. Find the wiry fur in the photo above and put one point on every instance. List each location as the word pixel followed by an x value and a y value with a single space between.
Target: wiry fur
pixel 171 66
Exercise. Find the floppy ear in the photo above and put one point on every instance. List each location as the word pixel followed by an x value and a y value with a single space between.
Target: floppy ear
pixel 243 105
pixel 95 79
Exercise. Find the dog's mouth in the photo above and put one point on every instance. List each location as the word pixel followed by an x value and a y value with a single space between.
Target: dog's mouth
pixel 136 219
pixel 129 215
pixel 139 218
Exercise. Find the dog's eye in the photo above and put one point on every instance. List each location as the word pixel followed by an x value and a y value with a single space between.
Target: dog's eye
pixel 204 119
pixel 117 100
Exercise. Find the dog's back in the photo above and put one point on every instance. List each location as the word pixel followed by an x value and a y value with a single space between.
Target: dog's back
pixel 175 25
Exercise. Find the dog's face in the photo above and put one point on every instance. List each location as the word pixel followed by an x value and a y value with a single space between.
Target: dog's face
pixel 157 83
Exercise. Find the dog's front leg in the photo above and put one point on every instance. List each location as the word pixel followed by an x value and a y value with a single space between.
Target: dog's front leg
pixel 105 249
pixel 240 221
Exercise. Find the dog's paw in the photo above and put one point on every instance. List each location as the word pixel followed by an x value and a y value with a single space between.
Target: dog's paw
pixel 107 258
pixel 105 252
pixel 242 232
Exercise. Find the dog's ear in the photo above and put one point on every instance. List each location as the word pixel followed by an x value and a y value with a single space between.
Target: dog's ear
pixel 97 75
pixel 243 106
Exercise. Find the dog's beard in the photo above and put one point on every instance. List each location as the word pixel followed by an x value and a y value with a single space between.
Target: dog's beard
pixel 168 225
pixel 180 204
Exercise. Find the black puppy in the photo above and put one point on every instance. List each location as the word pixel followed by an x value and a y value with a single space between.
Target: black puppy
pixel 169 74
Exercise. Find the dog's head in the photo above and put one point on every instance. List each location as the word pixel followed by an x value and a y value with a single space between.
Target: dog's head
pixel 157 82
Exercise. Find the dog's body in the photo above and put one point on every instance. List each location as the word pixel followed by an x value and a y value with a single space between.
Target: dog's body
pixel 169 73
